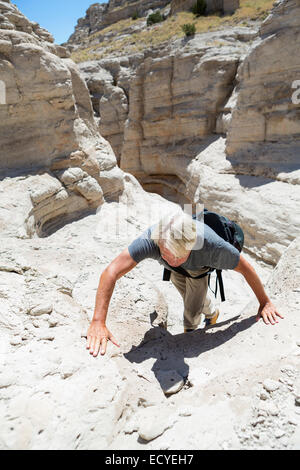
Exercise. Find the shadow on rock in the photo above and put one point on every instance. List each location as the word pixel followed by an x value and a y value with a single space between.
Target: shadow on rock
pixel 170 350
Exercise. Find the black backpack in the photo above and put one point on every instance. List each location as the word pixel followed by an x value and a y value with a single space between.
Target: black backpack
pixel 227 229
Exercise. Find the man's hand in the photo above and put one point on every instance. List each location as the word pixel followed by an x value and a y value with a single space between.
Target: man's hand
pixel 97 337
pixel 268 313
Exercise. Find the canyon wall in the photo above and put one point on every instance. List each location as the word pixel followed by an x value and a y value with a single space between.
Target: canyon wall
pixel 47 127
pixel 264 134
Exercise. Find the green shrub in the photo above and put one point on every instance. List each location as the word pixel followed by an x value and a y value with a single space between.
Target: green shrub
pixel 155 18
pixel 199 8
pixel 189 29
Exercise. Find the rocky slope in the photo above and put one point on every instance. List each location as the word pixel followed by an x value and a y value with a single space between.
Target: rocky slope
pixel 94 28
pixel 240 374
pixel 100 15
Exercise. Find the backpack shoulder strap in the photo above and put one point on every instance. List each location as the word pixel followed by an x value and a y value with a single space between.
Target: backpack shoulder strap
pixel 219 281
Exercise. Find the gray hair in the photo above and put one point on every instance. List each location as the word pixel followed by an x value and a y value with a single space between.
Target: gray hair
pixel 177 232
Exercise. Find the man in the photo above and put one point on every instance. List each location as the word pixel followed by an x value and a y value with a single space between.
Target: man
pixel 178 240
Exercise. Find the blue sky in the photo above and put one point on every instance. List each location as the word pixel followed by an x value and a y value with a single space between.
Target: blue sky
pixel 59 17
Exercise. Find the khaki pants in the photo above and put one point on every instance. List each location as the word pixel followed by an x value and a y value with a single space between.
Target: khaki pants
pixel 195 296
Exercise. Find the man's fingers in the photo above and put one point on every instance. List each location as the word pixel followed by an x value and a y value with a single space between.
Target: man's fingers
pixel 265 318
pixel 97 347
pixel 272 320
pixel 103 346
pixel 274 317
pixel 88 343
pixel 114 341
pixel 93 344
pixel 269 315
pixel 97 342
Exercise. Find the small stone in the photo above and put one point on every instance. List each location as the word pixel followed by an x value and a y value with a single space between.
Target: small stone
pixel 130 427
pixel 153 422
pixel 268 409
pixel 149 431
pixel 278 433
pixel 297 400
pixel 63 285
pixel 6 380
pixel 164 446
pixel 263 396
pixel 16 340
pixel 145 402
pixel 293 421
pixel 48 336
pixel 259 420
pixel 184 412
pixel 53 321
pixel 272 410
pixel 262 412
pixel 43 309
pixel 170 381
pixel 270 385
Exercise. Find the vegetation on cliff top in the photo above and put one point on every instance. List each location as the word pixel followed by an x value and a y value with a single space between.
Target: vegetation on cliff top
pixel 99 47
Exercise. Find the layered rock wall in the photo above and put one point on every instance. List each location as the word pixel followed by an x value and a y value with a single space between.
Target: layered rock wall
pixel 47 125
pixel 264 134
pixel 174 100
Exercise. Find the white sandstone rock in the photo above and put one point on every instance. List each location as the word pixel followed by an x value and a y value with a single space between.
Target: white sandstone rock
pixel 170 381
pixel 43 309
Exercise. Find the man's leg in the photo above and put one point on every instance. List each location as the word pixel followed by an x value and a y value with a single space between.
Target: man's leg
pixel 209 307
pixel 179 282
pixel 195 298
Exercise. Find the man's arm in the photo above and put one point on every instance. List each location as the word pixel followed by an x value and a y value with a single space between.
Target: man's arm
pixel 267 309
pixel 98 334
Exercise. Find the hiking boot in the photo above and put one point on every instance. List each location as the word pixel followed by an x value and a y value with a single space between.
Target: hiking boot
pixel 189 330
pixel 213 320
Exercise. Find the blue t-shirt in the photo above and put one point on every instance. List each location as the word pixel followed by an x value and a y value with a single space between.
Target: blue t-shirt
pixel 215 252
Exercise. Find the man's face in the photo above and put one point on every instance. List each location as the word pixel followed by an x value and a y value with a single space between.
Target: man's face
pixel 170 258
